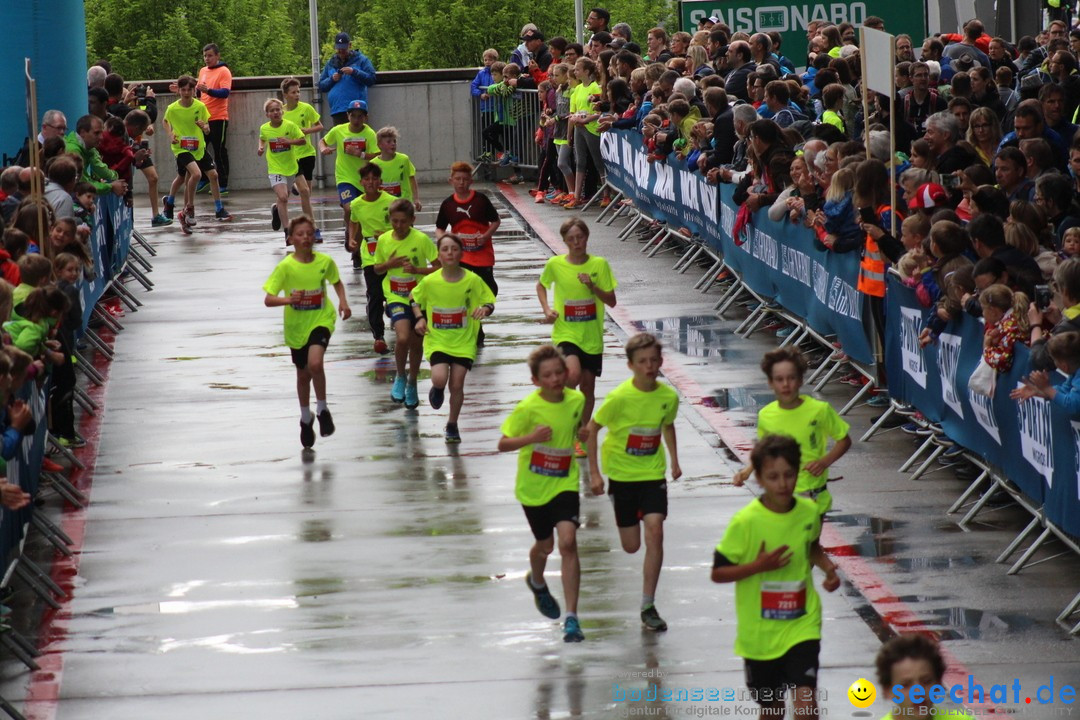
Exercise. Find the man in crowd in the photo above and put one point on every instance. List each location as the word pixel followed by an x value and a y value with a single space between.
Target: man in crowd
pixel 657 42
pixel 598 20
pixel 83 141
pixel 740 61
pixel 53 124
pixel 346 77
pixel 535 51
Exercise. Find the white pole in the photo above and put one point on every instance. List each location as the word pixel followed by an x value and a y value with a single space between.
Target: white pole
pixel 579 15
pixel 316 70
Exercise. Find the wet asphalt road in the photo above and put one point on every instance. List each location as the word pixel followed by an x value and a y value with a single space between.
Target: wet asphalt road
pixel 227 575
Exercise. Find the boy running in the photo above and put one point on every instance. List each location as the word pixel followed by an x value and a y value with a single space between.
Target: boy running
pixel 811 422
pixel 369 218
pixel 542 428
pixel 281 137
pixel 637 413
pixel 580 280
pixel 471 216
pixel 355 144
pixel 398 171
pixel 307 119
pixel 404 255
pixel 769 551
pixel 449 305
pixel 309 319
pixel 187 123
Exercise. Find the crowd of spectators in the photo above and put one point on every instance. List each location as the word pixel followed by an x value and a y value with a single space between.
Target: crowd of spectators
pixel 985 154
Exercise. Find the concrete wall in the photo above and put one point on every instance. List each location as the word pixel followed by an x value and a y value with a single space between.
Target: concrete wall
pixel 434 119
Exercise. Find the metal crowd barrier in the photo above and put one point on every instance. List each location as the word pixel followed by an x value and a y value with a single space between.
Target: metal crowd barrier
pixel 510 122
pixel 115 260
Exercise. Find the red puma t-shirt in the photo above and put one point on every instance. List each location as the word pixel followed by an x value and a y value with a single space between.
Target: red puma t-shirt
pixel 468 220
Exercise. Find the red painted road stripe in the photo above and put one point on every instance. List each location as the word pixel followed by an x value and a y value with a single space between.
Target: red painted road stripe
pixel 740 440
pixel 43 693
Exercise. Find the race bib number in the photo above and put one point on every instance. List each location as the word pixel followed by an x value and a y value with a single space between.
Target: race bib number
pixel 392 188
pixel 472 243
pixel 371 243
pixel 449 318
pixel 643 441
pixel 189 144
pixel 402 284
pixel 355 145
pixel 309 300
pixel 579 310
pixel 550 462
pixel 279 145
pixel 783 600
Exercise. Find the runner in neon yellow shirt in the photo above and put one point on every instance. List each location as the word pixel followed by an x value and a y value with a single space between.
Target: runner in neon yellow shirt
pixel 307 119
pixel 281 138
pixel 354 143
pixel 809 420
pixel 449 305
pixel 187 122
pixel 769 550
pixel 404 255
pixel 637 414
pixel 309 319
pixel 398 172
pixel 369 218
pixel 583 285
pixel 541 429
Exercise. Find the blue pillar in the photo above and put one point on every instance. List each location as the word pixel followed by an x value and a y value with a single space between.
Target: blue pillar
pixel 52 33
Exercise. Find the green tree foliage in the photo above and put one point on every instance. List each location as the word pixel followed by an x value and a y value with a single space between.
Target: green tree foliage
pixel 161 39
pixel 155 39
pixel 454 33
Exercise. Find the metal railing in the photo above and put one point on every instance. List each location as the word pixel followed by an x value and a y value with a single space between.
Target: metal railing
pixel 507 126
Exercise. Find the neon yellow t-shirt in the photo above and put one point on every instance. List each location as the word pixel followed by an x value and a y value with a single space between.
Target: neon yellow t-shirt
pixel 633 448
pixel 374 219
pixel 18 295
pixel 547 469
pixel 418 247
pixel 779 609
pixel 579 102
pixel 347 167
pixel 448 307
pixel 304 116
pixel 581 313
pixel 314 309
pixel 395 175
pixel 811 425
pixel 280 156
pixel 834 119
pixel 189 136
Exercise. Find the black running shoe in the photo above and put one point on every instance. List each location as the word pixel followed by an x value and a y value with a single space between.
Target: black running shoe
pixel 326 423
pixel 307 433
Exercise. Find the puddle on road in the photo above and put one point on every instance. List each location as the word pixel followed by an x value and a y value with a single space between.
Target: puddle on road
pixel 691 335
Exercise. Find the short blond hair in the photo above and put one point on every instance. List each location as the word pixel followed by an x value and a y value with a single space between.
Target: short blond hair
pixel 388 132
pixel 269 102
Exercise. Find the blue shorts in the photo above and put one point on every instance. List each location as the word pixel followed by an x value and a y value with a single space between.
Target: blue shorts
pixel 347 192
pixel 400 311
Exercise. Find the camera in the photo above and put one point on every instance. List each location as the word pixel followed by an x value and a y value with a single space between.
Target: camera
pixel 140 92
pixel 950 182
pixel 867 215
pixel 1043 297
pixel 812 202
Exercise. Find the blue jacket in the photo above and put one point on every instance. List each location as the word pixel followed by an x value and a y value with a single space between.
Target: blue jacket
pixel 349 87
pixel 480 85
pixel 1068 395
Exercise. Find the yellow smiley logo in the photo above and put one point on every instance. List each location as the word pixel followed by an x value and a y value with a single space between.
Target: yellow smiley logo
pixel 862 693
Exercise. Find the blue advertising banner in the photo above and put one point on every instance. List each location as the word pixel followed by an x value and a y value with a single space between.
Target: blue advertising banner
pixel 109 246
pixel 1035 443
pixel 777 260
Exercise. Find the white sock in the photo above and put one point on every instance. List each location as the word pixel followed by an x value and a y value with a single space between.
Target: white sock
pixel 320 405
pixel 305 415
pixel 647 601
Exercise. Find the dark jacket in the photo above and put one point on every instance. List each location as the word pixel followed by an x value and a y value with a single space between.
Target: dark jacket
pixel 1023 270
pixel 1040 356
pixel 735 82
pixel 724 139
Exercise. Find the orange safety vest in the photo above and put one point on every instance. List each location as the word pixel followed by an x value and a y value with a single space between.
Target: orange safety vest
pixel 872 266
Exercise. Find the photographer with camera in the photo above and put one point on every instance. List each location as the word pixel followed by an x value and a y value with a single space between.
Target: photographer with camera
pixel 1054 310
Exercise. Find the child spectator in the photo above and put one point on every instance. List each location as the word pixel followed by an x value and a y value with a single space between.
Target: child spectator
pixel 85 207
pixel 904 662
pixel 67 268
pixel 1070 243
pixel 913 235
pixel 62 239
pixel 508 109
pixel 1065 351
pixel 1006 324
pixel 564 84
pixel 586 129
pixel 769 550
pixel 541 429
pixel 34 271
pixel 491 129
pixel 482 82
pixel 398 172
pixel 15 421
pixel 939 287
pixel 309 319
pixel 832 100
pixel 840 222
pixel 31 320
pixel 14 247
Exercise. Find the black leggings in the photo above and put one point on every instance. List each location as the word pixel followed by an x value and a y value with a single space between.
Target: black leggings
pixel 493 135
pixel 218 138
pixel 375 300
pixel 62 399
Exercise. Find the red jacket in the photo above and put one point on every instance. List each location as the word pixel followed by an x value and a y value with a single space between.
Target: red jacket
pixel 8 268
pixel 117 154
